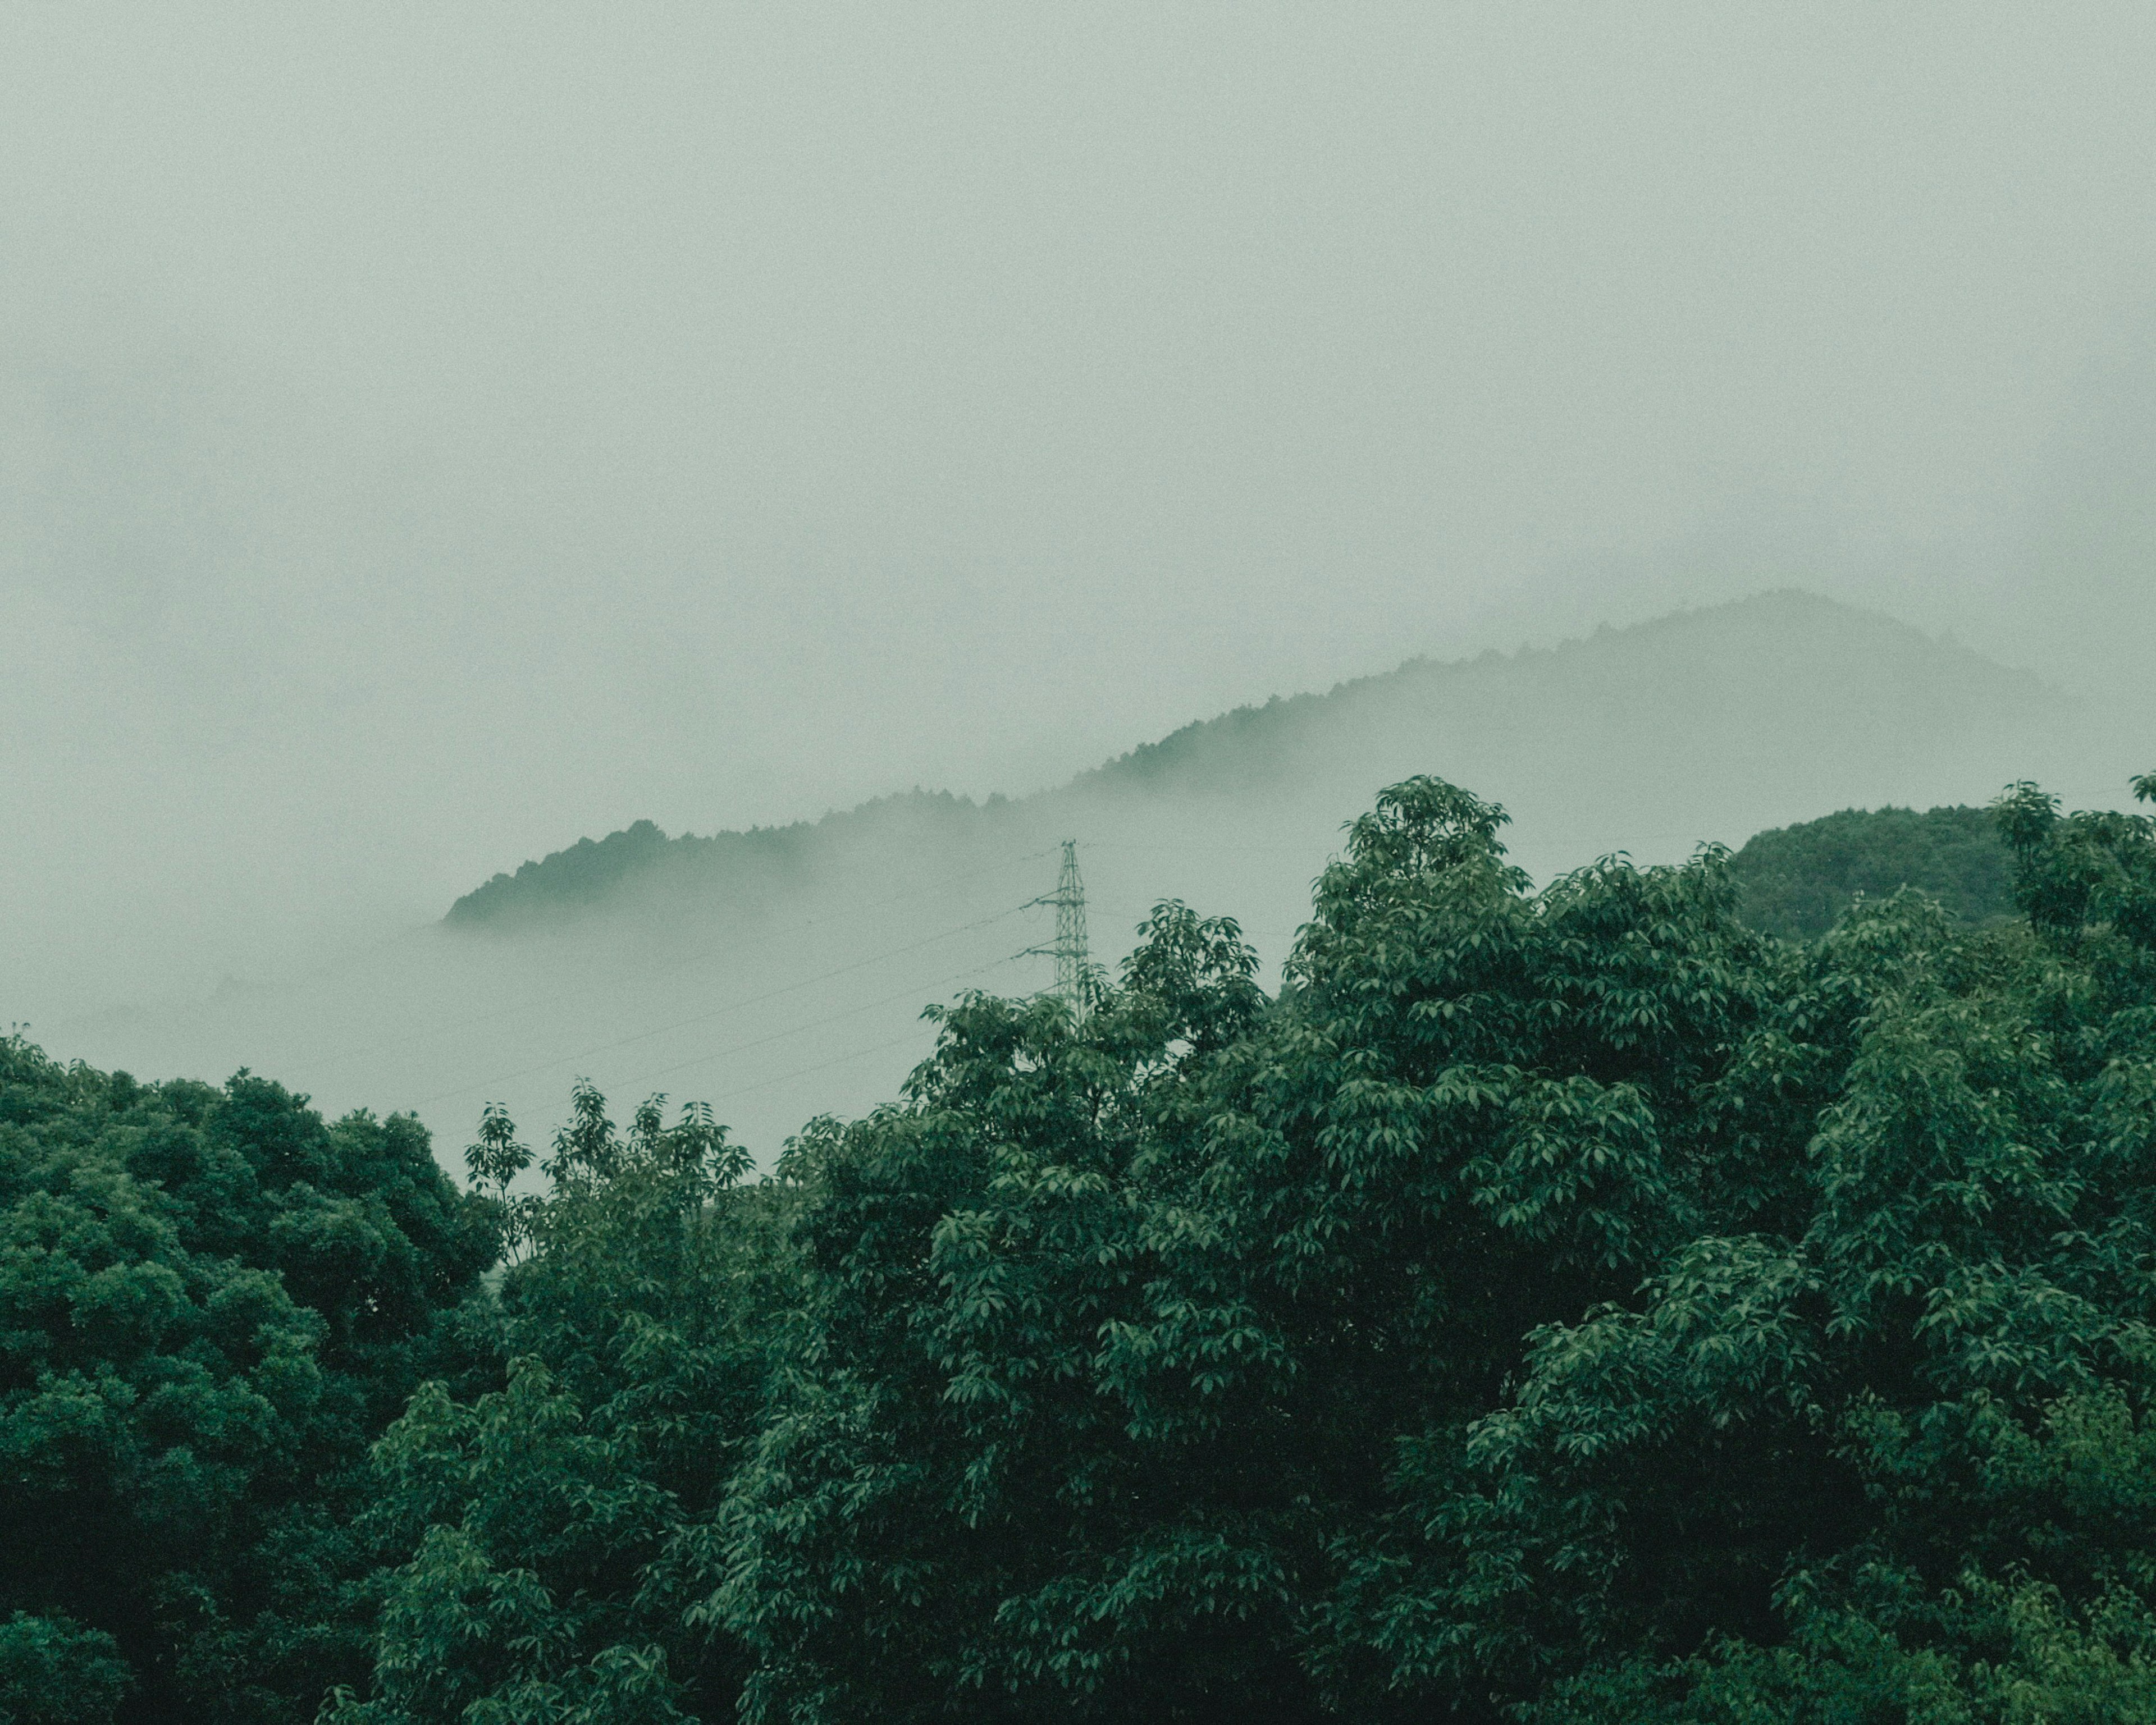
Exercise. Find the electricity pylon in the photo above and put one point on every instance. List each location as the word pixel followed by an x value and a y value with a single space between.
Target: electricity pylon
pixel 1073 976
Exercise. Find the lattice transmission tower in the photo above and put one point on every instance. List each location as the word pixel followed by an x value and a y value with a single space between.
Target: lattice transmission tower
pixel 1072 973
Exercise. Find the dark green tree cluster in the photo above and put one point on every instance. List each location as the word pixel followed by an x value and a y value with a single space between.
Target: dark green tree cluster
pixel 210 1303
pixel 555 1527
pixel 1798 881
pixel 1569 1307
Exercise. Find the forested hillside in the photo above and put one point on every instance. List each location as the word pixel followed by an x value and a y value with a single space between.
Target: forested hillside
pixel 1571 1307
pixel 1796 881
pixel 212 1303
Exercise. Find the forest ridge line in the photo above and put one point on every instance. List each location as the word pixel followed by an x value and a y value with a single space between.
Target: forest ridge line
pixel 1270 750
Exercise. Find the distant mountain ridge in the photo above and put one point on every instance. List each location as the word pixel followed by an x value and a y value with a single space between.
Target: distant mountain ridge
pixel 591 872
pixel 1758 712
pixel 780 972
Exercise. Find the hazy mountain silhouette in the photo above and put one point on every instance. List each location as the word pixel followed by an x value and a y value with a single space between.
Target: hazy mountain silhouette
pixel 780 972
pixel 1706 724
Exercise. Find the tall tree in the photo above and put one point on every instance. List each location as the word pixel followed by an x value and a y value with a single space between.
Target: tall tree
pixel 542 1523
pixel 1120 1326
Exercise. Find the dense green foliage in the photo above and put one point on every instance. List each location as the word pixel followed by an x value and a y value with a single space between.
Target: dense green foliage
pixel 210 1303
pixel 1572 1307
pixel 551 1524
pixel 1798 882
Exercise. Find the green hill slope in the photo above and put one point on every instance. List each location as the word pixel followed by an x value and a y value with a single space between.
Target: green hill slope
pixel 1798 880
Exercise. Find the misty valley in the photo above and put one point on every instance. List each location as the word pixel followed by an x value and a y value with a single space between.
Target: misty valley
pixel 957 864
pixel 1713 1289
pixel 779 972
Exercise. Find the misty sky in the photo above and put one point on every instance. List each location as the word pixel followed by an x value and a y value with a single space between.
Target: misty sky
pixel 430 434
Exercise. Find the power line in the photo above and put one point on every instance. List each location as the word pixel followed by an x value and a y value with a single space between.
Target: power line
pixel 814 1024
pixel 821 1066
pixel 753 944
pixel 345 1056
pixel 558 1061
pixel 1201 850
pixel 818 1024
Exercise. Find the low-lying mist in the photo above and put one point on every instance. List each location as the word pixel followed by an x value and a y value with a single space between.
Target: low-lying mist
pixel 782 974
pixel 430 436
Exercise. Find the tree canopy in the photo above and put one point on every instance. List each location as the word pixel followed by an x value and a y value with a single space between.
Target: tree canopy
pixel 211 1301
pixel 1563 1307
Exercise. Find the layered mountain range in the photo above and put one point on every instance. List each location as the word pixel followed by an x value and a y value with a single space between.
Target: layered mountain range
pixel 780 972
pixel 1703 725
